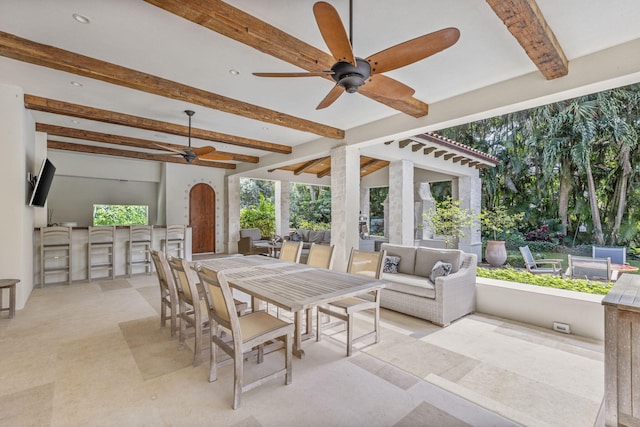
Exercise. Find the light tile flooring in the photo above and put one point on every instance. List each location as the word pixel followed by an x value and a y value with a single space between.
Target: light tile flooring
pixel 94 354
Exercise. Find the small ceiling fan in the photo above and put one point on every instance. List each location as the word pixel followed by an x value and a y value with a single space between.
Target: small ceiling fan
pixel 202 153
pixel 351 72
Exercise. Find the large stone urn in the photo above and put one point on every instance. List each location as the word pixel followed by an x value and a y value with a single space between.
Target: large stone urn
pixel 496 253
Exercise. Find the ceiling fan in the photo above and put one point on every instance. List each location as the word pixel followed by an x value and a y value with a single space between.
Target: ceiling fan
pixel 202 153
pixel 351 72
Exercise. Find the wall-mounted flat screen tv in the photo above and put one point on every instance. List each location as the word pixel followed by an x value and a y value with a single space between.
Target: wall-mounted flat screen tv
pixel 43 184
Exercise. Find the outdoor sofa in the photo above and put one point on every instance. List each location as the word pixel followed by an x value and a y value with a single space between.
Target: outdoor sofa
pixel 411 290
pixel 251 242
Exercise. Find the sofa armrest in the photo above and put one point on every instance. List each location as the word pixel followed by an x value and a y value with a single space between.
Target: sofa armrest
pixel 457 292
pixel 244 245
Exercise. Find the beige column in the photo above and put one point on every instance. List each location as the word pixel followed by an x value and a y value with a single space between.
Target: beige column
pixel 345 203
pixel 401 208
pixel 282 207
pixel 469 190
pixel 233 213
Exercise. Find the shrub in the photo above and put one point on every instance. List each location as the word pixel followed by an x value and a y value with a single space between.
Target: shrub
pixel 542 246
pixel 311 225
pixel 512 275
pixel 262 217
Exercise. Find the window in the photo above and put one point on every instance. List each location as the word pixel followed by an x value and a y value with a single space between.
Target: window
pixel 120 215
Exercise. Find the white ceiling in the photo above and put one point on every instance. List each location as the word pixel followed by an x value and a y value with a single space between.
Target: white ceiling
pixel 140 36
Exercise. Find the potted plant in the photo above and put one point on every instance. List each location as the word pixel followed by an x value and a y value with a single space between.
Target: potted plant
pixel 448 219
pixel 498 220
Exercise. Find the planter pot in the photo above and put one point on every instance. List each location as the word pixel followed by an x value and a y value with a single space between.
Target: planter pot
pixel 496 253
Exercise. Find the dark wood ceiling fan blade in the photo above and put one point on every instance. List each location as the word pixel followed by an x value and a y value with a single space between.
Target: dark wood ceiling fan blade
pixel 331 97
pixel 333 32
pixel 387 87
pixel 304 74
pixel 413 50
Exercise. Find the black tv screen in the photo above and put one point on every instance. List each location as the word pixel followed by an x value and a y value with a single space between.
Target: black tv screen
pixel 43 184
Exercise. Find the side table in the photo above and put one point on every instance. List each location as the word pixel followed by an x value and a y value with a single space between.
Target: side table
pixel 11 284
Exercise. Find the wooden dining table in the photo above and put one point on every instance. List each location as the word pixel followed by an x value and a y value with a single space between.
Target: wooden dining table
pixel 293 287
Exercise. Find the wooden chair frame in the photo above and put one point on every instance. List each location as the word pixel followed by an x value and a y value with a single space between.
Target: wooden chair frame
pixel 169 300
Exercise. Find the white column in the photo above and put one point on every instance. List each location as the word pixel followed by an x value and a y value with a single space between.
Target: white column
pixel 345 192
pixel 233 213
pixel 401 208
pixel 282 207
pixel 385 209
pixel 17 140
pixel 469 189
pixel 365 210
pixel 423 203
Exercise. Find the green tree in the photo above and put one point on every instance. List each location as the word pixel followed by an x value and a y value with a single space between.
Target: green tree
pixel 262 216
pixel 120 215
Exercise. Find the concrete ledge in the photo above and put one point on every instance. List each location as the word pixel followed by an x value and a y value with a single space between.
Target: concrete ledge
pixel 542 306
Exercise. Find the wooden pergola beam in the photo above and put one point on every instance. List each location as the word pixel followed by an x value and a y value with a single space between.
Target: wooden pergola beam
pixel 417 146
pixel 404 143
pixel 429 150
pixel 123 140
pixel 29 51
pixel 439 153
pixel 526 23
pixel 54 106
pixel 238 25
pixel 324 172
pixel 309 165
pixel 82 148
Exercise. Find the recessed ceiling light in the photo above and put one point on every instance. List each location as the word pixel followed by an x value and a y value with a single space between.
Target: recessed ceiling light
pixel 77 84
pixel 81 18
pixel 264 128
pixel 234 72
pixel 75 121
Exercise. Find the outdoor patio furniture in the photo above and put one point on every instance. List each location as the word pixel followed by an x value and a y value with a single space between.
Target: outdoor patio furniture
pixel 413 289
pixel 251 242
pixel 363 263
pixel 290 251
pixel 591 268
pixel 168 292
pixel 618 255
pixel 320 256
pixel 534 266
pixel 247 332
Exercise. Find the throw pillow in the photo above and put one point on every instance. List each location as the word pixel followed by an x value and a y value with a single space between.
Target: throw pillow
pixel 295 237
pixel 391 264
pixel 440 269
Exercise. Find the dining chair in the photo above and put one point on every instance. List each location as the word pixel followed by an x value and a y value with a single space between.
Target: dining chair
pixel 591 268
pixel 536 266
pixel 320 256
pixel 193 308
pixel 169 301
pixel 291 251
pixel 364 263
pixel 247 332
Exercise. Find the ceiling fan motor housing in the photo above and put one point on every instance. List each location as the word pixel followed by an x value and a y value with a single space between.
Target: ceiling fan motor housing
pixel 350 77
pixel 189 156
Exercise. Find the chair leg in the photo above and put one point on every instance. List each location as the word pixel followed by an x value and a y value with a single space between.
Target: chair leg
pixel 173 322
pixel 197 348
pixel 237 377
pixel 213 372
pixel 287 358
pixel 376 323
pixel 349 334
pixel 318 326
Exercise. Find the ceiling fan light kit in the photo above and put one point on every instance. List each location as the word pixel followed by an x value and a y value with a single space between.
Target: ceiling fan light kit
pixel 351 72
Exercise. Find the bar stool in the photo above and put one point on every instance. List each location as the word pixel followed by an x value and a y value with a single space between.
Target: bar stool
pixel 140 245
pixel 11 285
pixel 100 251
pixel 173 242
pixel 55 252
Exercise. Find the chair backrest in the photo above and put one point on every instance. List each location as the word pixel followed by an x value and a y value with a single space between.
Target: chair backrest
pixel 102 234
pixel 165 277
pixel 220 302
pixel 528 258
pixel 290 251
pixel 618 255
pixel 320 256
pixel 252 233
pixel 366 263
pixel 586 267
pixel 175 232
pixel 140 233
pixel 184 279
pixel 55 235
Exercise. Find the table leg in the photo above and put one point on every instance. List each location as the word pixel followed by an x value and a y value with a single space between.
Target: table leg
pixel 12 301
pixel 297 335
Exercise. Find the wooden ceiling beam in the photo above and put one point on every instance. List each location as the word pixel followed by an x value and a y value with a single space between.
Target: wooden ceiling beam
pixel 526 23
pixel 448 156
pixel 429 150
pixel 324 172
pixel 238 25
pixel 25 50
pixel 417 146
pixel 439 153
pixel 53 106
pixel 404 143
pixel 123 140
pixel 82 148
pixel 310 164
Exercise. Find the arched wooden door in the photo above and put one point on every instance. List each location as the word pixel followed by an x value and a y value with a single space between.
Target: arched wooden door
pixel 202 218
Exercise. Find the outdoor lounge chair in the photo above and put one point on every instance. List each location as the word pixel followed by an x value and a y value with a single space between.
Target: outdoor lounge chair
pixel 617 255
pixel 534 266
pixel 591 268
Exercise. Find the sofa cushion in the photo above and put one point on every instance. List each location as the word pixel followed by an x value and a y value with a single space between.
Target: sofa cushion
pixel 327 237
pixel 304 234
pixel 426 258
pixel 316 236
pixel 439 270
pixel 410 284
pixel 253 233
pixel 407 256
pixel 391 264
